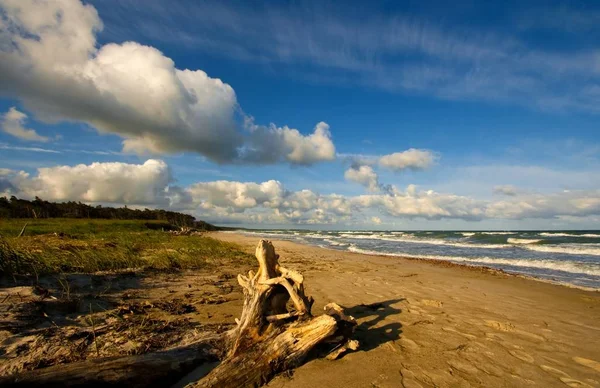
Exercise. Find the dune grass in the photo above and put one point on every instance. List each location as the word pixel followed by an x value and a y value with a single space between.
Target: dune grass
pixel 85 246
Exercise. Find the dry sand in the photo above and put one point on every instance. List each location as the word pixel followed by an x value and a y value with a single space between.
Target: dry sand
pixel 421 323
pixel 427 324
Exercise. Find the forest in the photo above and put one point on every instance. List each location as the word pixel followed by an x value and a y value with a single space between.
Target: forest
pixel 14 207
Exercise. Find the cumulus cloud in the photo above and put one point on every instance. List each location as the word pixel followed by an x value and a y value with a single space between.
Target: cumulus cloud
pixel 509 190
pixel 151 184
pixel 49 58
pixel 577 203
pixel 121 183
pixel 363 175
pixel 13 123
pixel 376 220
pixel 424 204
pixel 413 158
pixel 237 196
pixel 361 170
pixel 269 144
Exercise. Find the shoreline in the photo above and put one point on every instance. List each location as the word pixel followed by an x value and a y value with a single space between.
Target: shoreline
pixel 441 261
pixel 436 323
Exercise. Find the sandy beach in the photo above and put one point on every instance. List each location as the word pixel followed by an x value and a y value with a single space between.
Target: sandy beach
pixel 433 324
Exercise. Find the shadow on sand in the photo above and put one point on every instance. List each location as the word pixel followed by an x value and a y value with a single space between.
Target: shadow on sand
pixel 369 316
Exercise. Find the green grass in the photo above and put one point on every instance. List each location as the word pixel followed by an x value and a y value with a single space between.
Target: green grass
pixel 75 245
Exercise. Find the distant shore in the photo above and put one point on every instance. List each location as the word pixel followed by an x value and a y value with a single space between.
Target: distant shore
pixel 438 323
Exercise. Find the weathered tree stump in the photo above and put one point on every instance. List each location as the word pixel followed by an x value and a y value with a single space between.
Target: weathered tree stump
pixel 268 339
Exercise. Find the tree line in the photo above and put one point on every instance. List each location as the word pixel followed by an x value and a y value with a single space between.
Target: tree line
pixel 38 208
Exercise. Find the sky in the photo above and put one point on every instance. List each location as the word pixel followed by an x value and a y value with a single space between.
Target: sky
pixel 326 115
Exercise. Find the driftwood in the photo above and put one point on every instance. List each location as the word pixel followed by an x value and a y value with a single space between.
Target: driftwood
pixel 269 338
pixel 152 369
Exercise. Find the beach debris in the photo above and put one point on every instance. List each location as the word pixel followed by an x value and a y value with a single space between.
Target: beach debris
pixel 349 345
pixel 186 231
pixel 274 334
pixel 270 338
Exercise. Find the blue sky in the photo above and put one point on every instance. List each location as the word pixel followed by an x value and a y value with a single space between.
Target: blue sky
pixel 489 112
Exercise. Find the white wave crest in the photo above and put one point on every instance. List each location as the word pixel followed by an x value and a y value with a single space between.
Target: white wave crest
pixel 499 233
pixel 336 243
pixel 425 240
pixel 522 241
pixel 565 266
pixel 588 235
pixel 314 235
pixel 568 249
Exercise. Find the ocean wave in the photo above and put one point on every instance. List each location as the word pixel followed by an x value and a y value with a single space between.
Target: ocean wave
pixel 498 233
pixel 336 243
pixel 523 241
pixel 426 240
pixel 468 234
pixel 314 235
pixel 564 266
pixel 588 235
pixel 569 249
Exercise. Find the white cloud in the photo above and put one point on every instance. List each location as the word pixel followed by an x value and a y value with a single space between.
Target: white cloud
pixel 237 196
pixel 29 149
pixel 13 123
pixel 151 184
pixel 413 159
pixel 388 51
pixel 376 220
pixel 114 182
pixel 509 190
pixel 271 144
pixel 424 204
pixel 410 159
pixel 51 62
pixel 579 203
pixel 363 175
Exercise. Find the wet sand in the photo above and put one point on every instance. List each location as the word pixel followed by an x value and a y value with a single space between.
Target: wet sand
pixel 433 324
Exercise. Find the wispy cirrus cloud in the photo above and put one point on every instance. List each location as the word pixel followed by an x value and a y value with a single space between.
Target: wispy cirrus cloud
pixel 395 52
pixel 30 149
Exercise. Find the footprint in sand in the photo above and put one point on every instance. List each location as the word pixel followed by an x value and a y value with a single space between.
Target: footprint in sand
pixel 463 367
pixel 408 344
pixel 432 303
pixel 574 383
pixel 587 362
pixel 564 377
pixel 521 356
pixel 449 329
pixel 508 327
pixel 408 379
pixel 553 371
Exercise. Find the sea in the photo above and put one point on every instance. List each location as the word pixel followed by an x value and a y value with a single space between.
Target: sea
pixel 568 257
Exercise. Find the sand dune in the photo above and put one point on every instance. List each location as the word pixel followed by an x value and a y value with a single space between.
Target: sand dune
pixel 424 324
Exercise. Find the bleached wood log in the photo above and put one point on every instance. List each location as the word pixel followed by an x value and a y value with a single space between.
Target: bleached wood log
pixel 267 340
pixel 152 369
